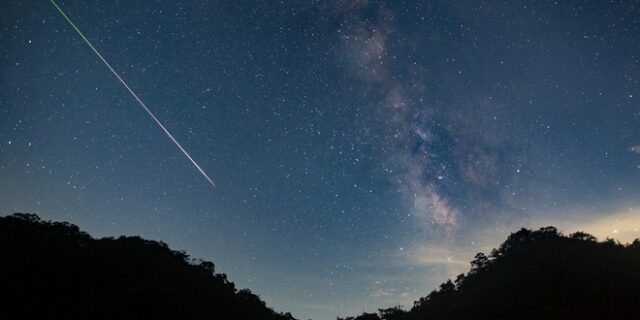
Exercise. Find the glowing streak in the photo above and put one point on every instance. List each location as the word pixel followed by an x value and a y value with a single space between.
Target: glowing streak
pixel 135 96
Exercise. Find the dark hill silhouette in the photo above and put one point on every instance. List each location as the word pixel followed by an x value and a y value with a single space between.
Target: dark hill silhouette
pixel 53 270
pixel 538 275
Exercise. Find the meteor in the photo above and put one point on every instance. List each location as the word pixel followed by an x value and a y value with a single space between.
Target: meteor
pixel 135 96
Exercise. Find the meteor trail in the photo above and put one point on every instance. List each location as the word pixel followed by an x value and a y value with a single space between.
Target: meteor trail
pixel 135 96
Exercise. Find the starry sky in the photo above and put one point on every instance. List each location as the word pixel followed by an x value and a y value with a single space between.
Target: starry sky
pixel 364 151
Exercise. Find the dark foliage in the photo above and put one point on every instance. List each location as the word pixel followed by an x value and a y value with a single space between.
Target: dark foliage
pixel 538 275
pixel 53 270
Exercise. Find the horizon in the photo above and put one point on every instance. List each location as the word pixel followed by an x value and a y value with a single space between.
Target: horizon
pixel 363 151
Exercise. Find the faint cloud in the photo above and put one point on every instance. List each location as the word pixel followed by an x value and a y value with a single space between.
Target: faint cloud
pixel 622 225
pixel 380 292
pixel 450 256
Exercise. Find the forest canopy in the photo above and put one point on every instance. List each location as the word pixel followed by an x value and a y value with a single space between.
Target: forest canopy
pixel 54 269
pixel 540 274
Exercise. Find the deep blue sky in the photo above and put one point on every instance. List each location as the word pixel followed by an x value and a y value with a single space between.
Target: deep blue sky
pixel 364 151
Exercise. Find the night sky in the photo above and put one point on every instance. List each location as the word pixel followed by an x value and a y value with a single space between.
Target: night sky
pixel 363 151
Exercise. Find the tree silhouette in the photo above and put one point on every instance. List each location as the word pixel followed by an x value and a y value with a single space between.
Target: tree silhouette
pixel 540 275
pixel 54 270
